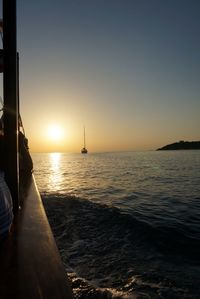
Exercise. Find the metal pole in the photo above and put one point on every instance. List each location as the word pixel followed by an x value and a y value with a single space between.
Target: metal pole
pixel 10 87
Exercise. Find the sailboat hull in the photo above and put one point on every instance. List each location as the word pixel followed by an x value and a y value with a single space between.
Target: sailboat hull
pixel 84 151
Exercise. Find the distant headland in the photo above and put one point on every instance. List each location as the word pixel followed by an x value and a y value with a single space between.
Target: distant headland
pixel 181 145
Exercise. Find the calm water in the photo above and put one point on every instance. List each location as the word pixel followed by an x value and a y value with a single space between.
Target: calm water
pixel 127 224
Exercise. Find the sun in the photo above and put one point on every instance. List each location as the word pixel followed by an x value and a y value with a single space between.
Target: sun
pixel 55 132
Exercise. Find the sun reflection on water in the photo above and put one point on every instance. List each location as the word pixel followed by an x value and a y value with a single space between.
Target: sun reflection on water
pixel 55 178
pixel 55 160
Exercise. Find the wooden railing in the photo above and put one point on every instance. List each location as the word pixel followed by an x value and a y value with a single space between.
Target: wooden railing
pixel 30 264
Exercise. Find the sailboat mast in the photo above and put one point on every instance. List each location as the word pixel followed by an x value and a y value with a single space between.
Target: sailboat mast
pixel 84 137
pixel 84 150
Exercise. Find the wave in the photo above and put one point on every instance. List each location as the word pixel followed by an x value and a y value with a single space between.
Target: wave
pixel 116 255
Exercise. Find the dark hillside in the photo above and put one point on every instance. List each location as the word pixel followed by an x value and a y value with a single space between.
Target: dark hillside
pixel 181 145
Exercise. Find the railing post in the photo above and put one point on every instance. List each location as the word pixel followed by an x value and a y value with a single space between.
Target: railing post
pixel 10 87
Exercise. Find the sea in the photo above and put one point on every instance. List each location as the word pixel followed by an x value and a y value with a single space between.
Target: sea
pixel 127 224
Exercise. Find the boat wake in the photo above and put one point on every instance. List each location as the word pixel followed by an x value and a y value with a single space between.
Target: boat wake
pixel 108 254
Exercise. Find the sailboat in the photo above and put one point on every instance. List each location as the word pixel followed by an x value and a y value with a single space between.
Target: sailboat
pixel 84 150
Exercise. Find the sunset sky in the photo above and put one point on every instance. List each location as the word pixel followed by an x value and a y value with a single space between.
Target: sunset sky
pixel 128 70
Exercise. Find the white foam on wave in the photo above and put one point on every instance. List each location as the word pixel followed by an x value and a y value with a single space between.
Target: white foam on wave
pixel 83 288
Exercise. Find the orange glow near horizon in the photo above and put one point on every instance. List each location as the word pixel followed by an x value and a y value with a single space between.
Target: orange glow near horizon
pixel 55 137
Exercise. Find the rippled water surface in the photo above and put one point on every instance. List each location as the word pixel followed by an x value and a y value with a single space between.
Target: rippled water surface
pixel 127 224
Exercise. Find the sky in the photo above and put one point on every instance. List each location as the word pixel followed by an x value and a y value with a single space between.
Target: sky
pixel 127 70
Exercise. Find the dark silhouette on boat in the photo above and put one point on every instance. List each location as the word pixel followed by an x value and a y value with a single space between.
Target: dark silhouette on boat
pixel 31 266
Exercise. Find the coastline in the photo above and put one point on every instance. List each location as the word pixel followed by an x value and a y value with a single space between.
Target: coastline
pixel 181 145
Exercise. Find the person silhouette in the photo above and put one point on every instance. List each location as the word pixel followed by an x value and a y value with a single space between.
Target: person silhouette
pixel 25 160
